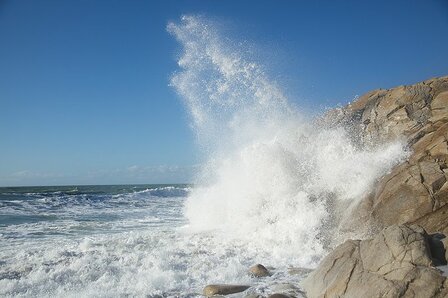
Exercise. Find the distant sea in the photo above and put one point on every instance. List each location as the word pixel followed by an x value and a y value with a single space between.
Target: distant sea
pixel 49 211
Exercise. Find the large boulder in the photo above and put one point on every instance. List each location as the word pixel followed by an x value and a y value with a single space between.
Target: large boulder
pixel 415 191
pixel 397 262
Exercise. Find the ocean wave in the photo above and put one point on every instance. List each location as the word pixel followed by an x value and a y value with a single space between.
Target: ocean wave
pixel 168 191
pixel 272 177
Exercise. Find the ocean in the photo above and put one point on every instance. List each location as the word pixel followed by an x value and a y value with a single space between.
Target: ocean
pixel 88 240
pixel 114 241
pixel 274 187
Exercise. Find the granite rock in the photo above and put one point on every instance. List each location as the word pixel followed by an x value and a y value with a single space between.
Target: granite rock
pixel 397 262
pixel 416 190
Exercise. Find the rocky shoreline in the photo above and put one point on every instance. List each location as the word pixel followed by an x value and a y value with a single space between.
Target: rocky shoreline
pixel 406 213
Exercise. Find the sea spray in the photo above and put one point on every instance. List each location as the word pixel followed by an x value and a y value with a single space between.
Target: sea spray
pixel 266 194
pixel 272 178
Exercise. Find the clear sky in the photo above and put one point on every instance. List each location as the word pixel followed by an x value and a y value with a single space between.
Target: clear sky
pixel 84 95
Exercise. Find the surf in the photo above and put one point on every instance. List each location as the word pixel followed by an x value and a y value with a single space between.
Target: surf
pixel 272 176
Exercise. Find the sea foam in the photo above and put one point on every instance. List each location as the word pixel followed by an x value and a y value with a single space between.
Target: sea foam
pixel 270 173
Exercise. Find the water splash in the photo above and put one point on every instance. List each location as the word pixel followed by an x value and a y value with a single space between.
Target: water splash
pixel 270 174
pixel 265 195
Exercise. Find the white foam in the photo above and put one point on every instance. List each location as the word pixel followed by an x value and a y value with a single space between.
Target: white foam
pixel 269 173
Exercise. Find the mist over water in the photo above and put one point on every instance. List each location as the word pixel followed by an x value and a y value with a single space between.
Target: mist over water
pixel 270 173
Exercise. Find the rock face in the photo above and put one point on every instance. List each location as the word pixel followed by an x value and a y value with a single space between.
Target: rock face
pixel 416 191
pixel 396 263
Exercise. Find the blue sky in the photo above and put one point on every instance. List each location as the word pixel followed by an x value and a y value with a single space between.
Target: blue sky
pixel 84 85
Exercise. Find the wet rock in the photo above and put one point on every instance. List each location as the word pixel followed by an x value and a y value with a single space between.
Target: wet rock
pixel 222 289
pixel 278 295
pixel 395 263
pixel 253 296
pixel 415 191
pixel 437 249
pixel 283 287
pixel 287 289
pixel 259 271
pixel 445 244
pixel 299 271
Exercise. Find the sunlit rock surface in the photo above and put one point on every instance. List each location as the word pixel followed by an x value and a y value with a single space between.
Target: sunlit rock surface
pixel 397 262
pixel 415 191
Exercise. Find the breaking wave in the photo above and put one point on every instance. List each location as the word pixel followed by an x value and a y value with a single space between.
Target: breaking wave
pixel 272 177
